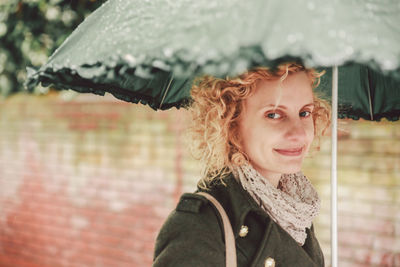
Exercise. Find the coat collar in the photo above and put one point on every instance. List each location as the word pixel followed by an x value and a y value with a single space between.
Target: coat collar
pixel 235 200
pixel 238 204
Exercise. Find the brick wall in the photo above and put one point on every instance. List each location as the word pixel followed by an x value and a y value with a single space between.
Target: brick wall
pixel 368 193
pixel 89 182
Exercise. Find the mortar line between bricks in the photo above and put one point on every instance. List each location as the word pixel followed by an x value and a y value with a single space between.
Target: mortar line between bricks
pixel 94 176
pixel 122 131
pixel 34 245
pixel 360 247
pixel 89 202
pixel 28 260
pixel 94 256
pixel 99 190
pixel 77 102
pixel 375 236
pixel 378 235
pixel 55 207
pixel 372 202
pixel 6 260
pixel 352 260
pixel 393 220
pixel 351 214
pixel 130 138
pixel 365 185
pixel 164 149
pixel 88 230
pixel 26 254
pixel 149 219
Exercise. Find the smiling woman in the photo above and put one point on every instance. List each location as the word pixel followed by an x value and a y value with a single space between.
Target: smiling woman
pixel 230 115
pixel 252 134
pixel 276 138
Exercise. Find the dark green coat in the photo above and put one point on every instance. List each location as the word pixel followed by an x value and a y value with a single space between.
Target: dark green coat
pixel 193 233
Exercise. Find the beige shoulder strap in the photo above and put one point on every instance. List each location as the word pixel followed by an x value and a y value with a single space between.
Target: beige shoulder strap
pixel 229 237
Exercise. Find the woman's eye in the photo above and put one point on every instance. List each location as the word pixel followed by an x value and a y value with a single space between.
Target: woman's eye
pixel 305 114
pixel 273 115
pixel 276 116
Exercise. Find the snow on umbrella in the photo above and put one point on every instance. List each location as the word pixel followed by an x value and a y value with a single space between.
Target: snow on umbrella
pixel 150 52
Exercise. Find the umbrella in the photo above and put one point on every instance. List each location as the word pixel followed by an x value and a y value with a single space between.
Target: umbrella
pixel 149 52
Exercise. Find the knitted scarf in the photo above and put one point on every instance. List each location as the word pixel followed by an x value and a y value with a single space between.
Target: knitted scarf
pixel 293 205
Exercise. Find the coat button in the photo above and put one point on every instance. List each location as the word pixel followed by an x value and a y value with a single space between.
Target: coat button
pixel 269 262
pixel 244 230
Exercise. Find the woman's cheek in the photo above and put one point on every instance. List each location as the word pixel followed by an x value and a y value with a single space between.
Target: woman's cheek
pixel 255 147
pixel 311 132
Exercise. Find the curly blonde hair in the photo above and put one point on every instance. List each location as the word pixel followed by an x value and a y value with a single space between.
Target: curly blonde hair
pixel 215 109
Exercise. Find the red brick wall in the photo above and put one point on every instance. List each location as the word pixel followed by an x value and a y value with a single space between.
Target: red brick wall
pixel 89 183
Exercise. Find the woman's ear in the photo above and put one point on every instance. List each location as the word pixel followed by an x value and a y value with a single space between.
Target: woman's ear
pixel 238 159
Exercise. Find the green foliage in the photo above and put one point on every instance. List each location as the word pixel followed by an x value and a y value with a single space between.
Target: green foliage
pixel 30 31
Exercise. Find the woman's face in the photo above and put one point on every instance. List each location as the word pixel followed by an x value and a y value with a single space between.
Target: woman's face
pixel 276 141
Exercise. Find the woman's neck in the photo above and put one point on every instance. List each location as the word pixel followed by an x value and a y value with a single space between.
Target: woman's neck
pixel 272 177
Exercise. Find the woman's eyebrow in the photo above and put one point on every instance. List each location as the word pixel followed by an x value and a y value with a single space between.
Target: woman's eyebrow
pixel 284 107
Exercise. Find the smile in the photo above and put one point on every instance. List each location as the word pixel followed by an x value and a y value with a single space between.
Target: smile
pixel 290 152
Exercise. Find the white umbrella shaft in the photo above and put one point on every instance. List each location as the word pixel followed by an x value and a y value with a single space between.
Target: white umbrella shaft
pixel 334 167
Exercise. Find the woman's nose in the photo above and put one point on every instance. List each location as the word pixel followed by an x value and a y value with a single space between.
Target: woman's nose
pixel 297 130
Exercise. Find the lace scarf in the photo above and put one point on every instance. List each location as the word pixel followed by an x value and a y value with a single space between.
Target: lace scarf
pixel 293 205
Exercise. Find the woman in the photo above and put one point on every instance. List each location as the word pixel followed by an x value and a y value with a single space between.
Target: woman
pixel 252 133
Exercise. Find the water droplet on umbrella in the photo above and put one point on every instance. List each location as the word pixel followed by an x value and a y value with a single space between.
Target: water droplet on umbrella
pixel 388 64
pixel 130 59
pixel 342 34
pixel 369 6
pixel 161 65
pixel 349 50
pixel 291 38
pixel 332 33
pixel 375 40
pixel 168 52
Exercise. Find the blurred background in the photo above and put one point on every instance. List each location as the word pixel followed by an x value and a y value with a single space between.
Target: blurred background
pixel 87 180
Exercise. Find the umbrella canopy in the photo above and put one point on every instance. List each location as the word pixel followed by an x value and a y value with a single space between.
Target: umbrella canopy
pixel 150 51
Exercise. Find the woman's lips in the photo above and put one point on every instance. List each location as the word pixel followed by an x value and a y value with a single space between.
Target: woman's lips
pixel 290 152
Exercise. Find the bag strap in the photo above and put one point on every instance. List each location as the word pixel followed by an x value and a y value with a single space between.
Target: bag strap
pixel 230 246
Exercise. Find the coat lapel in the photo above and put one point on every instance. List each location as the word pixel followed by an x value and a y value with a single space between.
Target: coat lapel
pixel 266 238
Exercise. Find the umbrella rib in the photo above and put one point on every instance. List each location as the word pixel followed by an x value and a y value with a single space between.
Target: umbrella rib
pixel 166 91
pixel 369 99
pixel 370 105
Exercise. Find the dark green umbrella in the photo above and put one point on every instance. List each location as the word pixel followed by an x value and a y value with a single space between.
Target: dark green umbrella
pixel 364 93
pixel 149 51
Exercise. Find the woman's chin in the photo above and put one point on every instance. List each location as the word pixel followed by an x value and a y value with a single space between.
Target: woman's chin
pixel 293 169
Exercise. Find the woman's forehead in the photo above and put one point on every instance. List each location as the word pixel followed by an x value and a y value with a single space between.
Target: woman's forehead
pixel 295 90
